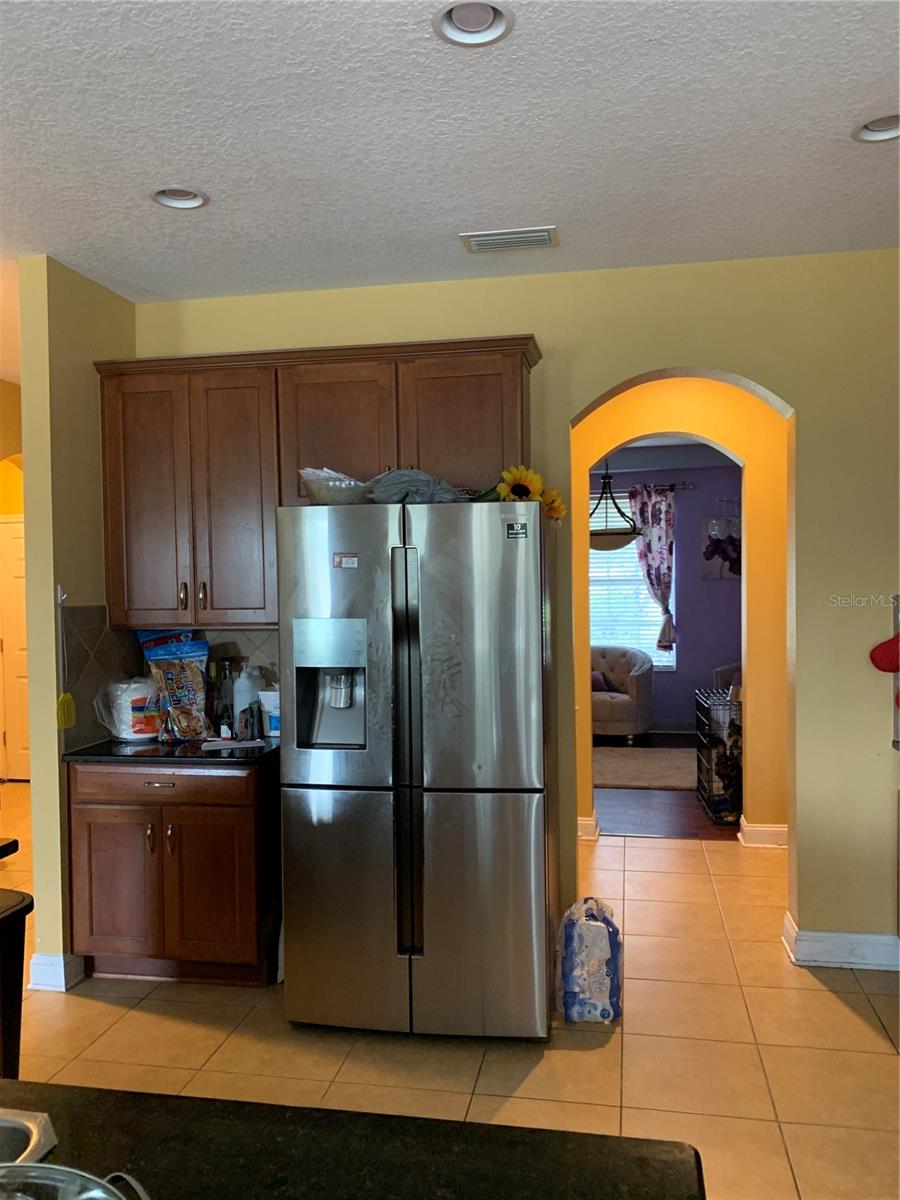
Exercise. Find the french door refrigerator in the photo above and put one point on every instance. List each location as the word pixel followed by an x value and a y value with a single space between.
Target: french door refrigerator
pixel 412 760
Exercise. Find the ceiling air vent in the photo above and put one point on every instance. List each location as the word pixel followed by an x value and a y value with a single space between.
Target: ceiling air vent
pixel 510 239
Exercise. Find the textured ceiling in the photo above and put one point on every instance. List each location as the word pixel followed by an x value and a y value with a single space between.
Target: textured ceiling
pixel 343 144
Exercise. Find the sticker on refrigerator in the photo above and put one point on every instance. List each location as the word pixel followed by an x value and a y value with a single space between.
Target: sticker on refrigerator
pixel 345 560
pixel 515 530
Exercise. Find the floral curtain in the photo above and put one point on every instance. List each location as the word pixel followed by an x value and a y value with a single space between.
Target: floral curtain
pixel 653 508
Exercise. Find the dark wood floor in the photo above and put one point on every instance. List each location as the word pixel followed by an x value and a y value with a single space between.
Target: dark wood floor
pixel 656 737
pixel 643 812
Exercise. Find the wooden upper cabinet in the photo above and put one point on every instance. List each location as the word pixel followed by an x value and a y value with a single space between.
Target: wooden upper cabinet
pixel 462 416
pixel 147 488
pixel 338 415
pixel 234 470
pixel 196 457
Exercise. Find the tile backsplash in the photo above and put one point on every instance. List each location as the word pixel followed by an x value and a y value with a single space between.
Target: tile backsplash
pixel 258 647
pixel 97 655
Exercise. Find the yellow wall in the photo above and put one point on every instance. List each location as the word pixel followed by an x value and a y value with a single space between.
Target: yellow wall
pixel 757 431
pixel 67 321
pixel 817 330
pixel 12 486
pixel 10 418
pixel 9 320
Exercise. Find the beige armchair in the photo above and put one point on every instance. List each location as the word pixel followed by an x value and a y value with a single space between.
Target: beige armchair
pixel 628 709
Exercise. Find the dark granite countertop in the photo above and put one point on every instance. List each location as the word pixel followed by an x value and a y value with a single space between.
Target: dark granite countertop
pixel 170 754
pixel 185 1149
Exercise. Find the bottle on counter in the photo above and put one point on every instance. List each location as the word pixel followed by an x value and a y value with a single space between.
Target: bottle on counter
pixel 246 696
pixel 212 693
pixel 224 719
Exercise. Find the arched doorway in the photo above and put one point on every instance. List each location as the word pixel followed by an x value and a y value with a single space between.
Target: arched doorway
pixel 756 429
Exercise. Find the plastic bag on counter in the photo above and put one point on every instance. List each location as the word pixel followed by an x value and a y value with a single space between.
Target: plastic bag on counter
pixel 324 486
pixel 130 709
pixel 588 955
pixel 149 638
pixel 179 669
pixel 412 487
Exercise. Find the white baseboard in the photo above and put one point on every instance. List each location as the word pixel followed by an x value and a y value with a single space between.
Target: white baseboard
pixel 588 830
pixel 823 948
pixel 55 972
pixel 762 835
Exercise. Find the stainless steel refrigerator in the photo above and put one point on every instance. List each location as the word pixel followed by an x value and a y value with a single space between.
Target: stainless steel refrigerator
pixel 412 760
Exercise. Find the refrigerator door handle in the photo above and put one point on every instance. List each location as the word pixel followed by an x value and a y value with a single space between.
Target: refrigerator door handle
pixel 404 871
pixel 402 732
pixel 409 852
pixel 417 872
pixel 416 800
pixel 415 666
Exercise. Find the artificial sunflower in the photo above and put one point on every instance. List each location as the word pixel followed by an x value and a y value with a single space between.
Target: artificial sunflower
pixel 520 483
pixel 554 506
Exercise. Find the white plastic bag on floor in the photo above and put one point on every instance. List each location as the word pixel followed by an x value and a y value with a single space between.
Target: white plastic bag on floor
pixel 588 955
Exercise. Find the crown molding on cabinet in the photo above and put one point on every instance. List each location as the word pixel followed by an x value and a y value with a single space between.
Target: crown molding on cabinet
pixel 523 344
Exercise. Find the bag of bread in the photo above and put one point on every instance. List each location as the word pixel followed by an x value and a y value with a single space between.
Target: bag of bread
pixel 179 669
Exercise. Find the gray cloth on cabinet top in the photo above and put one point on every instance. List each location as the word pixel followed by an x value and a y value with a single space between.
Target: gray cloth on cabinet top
pixel 412 487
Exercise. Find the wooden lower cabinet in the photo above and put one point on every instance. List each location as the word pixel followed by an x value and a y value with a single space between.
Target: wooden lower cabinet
pixel 209 884
pixel 116 879
pixel 177 876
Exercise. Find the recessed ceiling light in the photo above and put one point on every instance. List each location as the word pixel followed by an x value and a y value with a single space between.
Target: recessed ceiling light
pixel 473 24
pixel 879 129
pixel 176 197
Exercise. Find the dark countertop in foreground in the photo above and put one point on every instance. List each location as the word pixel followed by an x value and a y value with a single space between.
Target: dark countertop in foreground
pixel 185 1149
pixel 169 754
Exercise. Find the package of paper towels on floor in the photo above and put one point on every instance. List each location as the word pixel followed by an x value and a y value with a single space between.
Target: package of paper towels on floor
pixel 588 954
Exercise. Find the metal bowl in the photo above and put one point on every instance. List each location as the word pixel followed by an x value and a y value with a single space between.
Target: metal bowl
pixel 41 1181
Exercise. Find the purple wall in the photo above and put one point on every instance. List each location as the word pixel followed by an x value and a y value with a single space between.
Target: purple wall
pixel 707 611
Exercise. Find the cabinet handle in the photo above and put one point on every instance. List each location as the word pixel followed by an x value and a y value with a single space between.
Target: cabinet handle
pixel 183 596
pixel 147 783
pixel 201 595
pixel 150 834
pixel 170 839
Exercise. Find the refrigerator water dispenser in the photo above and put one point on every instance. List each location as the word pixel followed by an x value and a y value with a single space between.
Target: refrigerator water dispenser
pixel 330 679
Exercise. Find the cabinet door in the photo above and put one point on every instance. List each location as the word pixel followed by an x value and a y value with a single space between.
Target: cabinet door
pixel 337 415
pixel 116 879
pixel 235 472
pixel 210 883
pixel 147 499
pixel 461 417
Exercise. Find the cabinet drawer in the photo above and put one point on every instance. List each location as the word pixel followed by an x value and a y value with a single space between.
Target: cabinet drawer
pixel 89 784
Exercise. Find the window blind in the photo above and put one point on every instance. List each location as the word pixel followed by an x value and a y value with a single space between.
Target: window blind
pixel 623 613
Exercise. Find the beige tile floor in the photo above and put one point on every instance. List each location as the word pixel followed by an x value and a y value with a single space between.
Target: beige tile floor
pixel 785 1079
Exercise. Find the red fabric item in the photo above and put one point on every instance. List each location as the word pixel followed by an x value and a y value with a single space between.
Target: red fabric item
pixel 886 655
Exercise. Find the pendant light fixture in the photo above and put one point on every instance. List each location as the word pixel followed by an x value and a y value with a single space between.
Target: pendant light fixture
pixel 618 528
